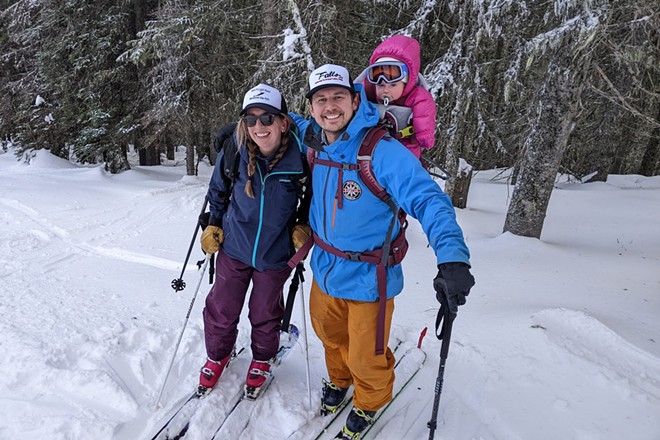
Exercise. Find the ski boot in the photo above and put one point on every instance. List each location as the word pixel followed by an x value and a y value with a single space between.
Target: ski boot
pixel 209 375
pixel 356 422
pixel 333 397
pixel 257 376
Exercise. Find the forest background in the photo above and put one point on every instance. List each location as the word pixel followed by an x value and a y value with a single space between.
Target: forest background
pixel 539 87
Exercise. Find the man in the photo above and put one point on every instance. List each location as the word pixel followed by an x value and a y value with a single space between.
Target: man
pixel 352 295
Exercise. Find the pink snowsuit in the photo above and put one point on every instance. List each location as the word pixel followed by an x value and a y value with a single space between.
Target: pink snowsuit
pixel 414 96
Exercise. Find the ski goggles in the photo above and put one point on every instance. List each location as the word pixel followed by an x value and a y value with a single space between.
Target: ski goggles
pixel 266 119
pixel 388 71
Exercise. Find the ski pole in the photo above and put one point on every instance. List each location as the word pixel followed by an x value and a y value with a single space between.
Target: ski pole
pixel 300 268
pixel 178 284
pixel 447 318
pixel 185 323
pixel 444 174
pixel 290 299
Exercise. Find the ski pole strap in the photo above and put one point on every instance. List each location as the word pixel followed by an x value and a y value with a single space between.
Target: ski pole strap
pixel 444 321
pixel 211 268
pixel 301 253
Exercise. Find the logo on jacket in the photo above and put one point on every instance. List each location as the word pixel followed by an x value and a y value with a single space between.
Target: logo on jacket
pixel 351 190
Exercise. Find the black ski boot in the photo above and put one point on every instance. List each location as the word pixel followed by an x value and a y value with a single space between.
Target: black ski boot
pixel 356 422
pixel 333 397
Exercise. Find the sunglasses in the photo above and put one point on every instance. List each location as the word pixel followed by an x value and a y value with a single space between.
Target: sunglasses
pixel 266 119
pixel 389 72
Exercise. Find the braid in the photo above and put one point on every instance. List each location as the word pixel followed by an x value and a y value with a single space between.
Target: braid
pixel 284 145
pixel 251 168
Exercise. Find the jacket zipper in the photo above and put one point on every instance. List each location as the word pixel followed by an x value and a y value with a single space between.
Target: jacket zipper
pixel 261 208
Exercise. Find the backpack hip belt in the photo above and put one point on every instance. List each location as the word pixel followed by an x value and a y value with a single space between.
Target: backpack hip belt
pixel 382 260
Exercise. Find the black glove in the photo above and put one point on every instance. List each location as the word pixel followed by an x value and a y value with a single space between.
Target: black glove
pixel 206 219
pixel 203 220
pixel 453 282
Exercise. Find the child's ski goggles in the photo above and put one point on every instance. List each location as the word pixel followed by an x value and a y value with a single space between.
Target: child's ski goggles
pixel 388 71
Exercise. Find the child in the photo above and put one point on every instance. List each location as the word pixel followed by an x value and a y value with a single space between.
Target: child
pixel 393 82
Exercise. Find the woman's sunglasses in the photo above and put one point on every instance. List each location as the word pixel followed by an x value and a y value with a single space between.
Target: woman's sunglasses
pixel 388 71
pixel 266 119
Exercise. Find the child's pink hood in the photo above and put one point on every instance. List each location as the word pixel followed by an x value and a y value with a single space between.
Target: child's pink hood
pixel 402 48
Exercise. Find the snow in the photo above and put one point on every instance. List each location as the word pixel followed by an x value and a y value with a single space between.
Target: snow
pixel 560 337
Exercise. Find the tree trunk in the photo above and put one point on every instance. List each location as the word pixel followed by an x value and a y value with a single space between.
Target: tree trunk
pixel 650 161
pixel 190 160
pixel 544 148
pixel 169 146
pixel 461 185
pixel 213 155
pixel 190 153
pixel 149 156
pixel 462 126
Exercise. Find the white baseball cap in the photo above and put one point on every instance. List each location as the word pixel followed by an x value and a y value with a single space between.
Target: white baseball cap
pixel 266 98
pixel 329 75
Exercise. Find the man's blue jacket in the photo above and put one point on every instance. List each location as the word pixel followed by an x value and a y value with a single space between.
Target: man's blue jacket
pixel 362 223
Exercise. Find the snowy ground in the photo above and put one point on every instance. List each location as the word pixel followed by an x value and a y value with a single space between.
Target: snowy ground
pixel 560 338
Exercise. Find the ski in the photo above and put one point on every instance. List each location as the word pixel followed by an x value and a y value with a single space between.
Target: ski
pixel 335 420
pixel 177 425
pixel 407 366
pixel 244 404
pixel 187 407
pixel 349 399
pixel 420 356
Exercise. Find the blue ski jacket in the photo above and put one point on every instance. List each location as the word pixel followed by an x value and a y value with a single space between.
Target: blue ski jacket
pixel 362 223
pixel 257 231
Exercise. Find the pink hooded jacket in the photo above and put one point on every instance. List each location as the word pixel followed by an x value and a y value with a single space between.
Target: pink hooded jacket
pixel 414 96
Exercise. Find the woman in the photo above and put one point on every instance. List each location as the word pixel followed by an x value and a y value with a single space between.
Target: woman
pixel 252 221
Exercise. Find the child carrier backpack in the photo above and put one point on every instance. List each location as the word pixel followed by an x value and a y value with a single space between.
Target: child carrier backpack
pixel 393 250
pixel 397 119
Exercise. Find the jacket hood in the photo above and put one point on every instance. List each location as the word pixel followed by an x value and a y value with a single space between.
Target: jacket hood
pixel 403 48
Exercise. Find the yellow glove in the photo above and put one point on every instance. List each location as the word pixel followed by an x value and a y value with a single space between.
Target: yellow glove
pixel 211 239
pixel 300 235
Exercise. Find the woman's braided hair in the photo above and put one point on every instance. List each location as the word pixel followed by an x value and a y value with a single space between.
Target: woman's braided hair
pixel 245 141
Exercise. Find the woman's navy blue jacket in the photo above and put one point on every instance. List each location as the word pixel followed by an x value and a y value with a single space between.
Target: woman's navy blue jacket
pixel 257 231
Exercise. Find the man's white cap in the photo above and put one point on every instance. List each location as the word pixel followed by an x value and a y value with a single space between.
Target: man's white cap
pixel 329 75
pixel 266 98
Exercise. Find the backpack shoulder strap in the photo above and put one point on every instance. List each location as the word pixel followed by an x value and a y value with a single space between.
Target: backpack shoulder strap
pixel 311 155
pixel 231 159
pixel 365 159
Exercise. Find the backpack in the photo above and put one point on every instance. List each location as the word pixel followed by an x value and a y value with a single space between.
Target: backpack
pixel 397 119
pixel 366 172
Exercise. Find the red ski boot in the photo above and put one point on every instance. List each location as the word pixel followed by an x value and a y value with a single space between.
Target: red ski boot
pixel 256 378
pixel 209 375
